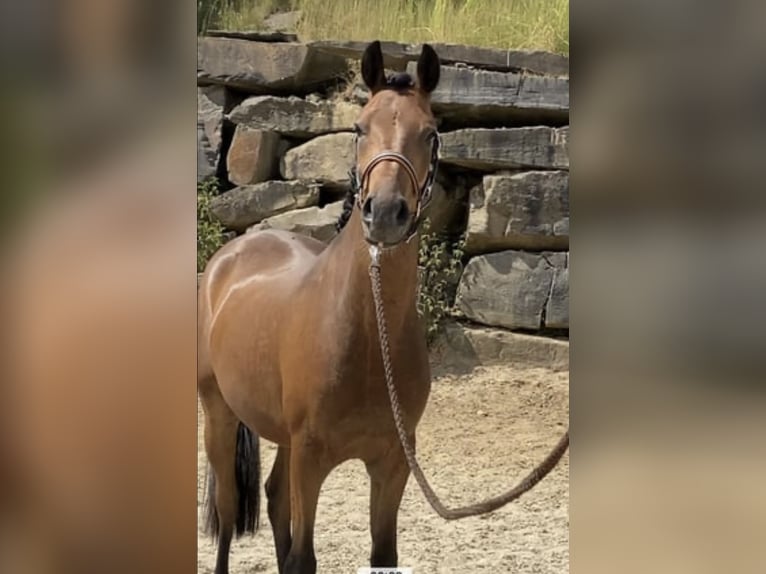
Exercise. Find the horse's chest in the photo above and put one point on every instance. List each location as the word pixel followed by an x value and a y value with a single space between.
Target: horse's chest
pixel 363 406
pixel 340 390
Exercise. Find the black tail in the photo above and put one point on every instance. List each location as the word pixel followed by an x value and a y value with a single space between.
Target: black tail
pixel 248 473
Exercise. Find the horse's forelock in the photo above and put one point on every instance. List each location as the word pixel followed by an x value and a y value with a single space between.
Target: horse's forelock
pixel 400 81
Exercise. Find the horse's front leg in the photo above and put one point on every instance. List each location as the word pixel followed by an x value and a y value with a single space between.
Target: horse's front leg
pixel 308 469
pixel 388 477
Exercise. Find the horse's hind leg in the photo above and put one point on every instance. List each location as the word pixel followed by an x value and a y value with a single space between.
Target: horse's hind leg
pixel 388 477
pixel 221 426
pixel 278 492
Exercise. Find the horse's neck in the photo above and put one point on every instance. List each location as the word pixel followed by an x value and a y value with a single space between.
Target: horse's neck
pixel 348 259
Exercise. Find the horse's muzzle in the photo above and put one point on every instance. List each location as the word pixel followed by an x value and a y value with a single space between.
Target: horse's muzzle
pixel 386 220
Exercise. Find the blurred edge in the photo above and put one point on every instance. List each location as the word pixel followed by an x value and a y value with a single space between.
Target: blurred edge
pixel 98 409
pixel 667 287
pixel 98 398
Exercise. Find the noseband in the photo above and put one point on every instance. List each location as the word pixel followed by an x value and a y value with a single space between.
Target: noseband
pixel 423 194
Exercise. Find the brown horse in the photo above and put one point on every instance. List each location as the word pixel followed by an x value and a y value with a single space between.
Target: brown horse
pixel 288 344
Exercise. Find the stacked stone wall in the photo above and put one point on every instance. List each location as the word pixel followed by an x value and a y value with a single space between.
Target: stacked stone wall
pixel 275 127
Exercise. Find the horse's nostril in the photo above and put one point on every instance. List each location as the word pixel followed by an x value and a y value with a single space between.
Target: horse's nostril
pixel 367 210
pixel 402 213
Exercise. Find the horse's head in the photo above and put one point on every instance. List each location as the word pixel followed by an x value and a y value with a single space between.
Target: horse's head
pixel 397 146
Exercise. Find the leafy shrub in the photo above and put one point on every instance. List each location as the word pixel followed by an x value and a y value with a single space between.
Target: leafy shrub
pixel 209 230
pixel 439 268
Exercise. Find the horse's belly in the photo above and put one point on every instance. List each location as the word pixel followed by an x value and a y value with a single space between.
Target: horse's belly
pixel 256 400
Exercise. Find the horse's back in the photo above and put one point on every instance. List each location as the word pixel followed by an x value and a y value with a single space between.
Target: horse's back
pixel 264 255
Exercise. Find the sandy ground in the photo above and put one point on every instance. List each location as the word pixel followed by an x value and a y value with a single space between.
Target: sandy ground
pixel 480 434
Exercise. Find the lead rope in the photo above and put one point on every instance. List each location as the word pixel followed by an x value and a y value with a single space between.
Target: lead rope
pixel 485 506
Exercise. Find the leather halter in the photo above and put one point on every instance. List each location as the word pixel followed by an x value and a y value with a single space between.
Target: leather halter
pixel 423 194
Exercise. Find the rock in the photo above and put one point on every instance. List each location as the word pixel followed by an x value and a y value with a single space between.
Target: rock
pixel 466 95
pixel 253 156
pixel 508 289
pixel 295 117
pixel 528 210
pixel 283 21
pixel 260 67
pixel 557 310
pixel 326 159
pixel 397 56
pixel 461 347
pixel 358 92
pixel 206 156
pixel 507 148
pixel 253 35
pixel 211 101
pixel 449 206
pixel 243 206
pixel 316 222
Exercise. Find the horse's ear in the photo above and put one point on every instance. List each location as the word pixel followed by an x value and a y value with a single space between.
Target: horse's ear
pixel 428 69
pixel 372 67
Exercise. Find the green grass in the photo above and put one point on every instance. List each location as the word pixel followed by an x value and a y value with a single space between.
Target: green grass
pixel 251 13
pixel 505 24
pixel 237 14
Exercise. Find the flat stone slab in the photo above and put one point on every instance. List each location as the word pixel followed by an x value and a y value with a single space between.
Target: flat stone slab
pixel 511 289
pixel 397 55
pixel 326 159
pixel 557 309
pixel 480 97
pixel 263 67
pixel 528 210
pixel 295 117
pixel 255 36
pixel 315 222
pixel 507 148
pixel 462 346
pixel 241 207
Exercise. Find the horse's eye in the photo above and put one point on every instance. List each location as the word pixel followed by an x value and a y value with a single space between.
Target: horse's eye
pixel 430 135
pixel 358 130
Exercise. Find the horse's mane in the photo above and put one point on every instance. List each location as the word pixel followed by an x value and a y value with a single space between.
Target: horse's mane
pixel 348 208
pixel 399 82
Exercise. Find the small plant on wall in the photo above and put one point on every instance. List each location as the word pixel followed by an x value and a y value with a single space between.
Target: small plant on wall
pixel 210 236
pixel 439 268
